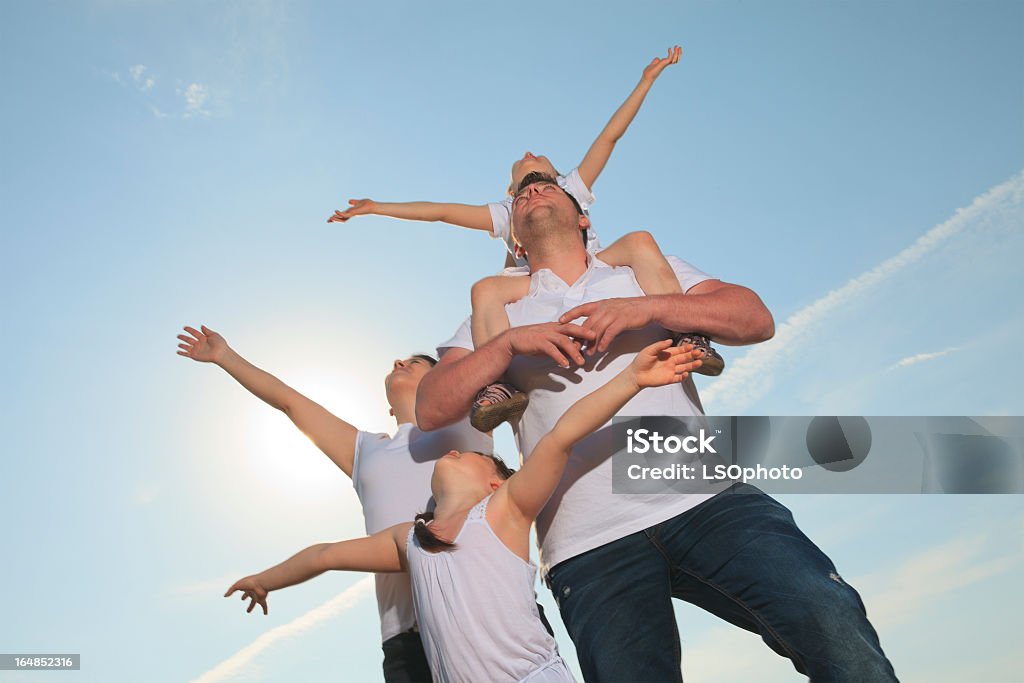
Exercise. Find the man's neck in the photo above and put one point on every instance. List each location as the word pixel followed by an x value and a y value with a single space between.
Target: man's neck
pixel 567 264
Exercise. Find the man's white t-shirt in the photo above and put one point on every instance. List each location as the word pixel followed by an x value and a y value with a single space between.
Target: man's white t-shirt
pixel 583 513
pixel 501 214
pixel 391 475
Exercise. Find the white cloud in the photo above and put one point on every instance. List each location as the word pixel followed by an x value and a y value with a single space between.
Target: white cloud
pixel 910 360
pixel 142 82
pixel 316 616
pixel 195 96
pixel 898 594
pixel 752 376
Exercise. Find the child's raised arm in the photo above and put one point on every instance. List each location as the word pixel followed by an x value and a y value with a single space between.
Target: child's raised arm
pixel 381 552
pixel 657 365
pixel 469 216
pixel 597 156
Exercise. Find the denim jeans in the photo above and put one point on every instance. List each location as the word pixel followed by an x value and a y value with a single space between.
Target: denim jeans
pixel 739 556
pixel 404 659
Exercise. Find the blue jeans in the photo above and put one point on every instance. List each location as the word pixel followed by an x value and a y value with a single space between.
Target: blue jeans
pixel 739 556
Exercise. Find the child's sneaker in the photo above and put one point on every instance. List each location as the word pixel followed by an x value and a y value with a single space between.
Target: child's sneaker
pixel 504 402
pixel 712 363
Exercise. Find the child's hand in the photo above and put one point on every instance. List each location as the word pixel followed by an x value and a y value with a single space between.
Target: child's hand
pixel 656 66
pixel 252 590
pixel 661 363
pixel 206 346
pixel 358 207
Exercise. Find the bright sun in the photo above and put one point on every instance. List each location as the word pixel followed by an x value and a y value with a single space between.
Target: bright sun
pixel 285 459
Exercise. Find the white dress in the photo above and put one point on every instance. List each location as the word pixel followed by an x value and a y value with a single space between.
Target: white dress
pixel 477 610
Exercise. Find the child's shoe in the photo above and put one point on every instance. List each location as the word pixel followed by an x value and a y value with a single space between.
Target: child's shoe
pixel 504 403
pixel 712 363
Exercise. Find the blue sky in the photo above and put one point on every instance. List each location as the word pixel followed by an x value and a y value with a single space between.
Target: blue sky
pixel 859 165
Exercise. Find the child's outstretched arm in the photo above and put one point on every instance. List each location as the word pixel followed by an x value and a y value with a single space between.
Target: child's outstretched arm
pixel 469 216
pixel 597 156
pixel 332 435
pixel 381 552
pixel 657 365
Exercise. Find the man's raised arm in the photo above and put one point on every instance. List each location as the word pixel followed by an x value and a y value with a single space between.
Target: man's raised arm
pixel 446 392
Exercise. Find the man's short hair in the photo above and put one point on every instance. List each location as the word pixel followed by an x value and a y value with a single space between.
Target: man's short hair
pixel 539 177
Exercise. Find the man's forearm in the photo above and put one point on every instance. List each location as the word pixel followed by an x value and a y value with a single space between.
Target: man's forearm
pixel 731 315
pixel 446 393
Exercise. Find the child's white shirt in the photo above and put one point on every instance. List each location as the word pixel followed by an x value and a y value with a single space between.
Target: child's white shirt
pixel 477 610
pixel 501 214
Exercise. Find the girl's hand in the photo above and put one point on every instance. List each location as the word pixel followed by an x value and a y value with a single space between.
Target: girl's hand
pixel 358 207
pixel 656 66
pixel 252 590
pixel 206 346
pixel 661 363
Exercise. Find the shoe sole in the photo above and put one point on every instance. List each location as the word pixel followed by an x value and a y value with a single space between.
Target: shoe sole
pixel 711 366
pixel 486 418
pixel 712 362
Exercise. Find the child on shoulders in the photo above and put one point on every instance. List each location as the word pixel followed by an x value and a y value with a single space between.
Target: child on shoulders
pixel 501 401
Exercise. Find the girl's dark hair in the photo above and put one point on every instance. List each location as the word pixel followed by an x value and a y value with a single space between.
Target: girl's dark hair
pixel 426 537
pixel 430 542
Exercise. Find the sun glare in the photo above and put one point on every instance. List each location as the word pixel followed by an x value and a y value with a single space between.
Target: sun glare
pixel 288 462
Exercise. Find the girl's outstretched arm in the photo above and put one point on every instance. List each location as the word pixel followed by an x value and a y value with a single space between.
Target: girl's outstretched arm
pixel 659 364
pixel 474 217
pixel 601 150
pixel 381 552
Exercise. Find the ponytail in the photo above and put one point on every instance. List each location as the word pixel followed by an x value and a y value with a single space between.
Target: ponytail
pixel 428 541
pixel 421 528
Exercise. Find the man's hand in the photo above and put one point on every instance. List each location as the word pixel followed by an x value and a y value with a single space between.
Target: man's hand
pixel 608 317
pixel 206 346
pixel 558 341
pixel 358 207
pixel 251 589
pixel 657 65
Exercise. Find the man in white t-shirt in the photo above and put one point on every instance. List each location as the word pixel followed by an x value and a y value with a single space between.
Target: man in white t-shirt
pixel 614 560
pixel 391 473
